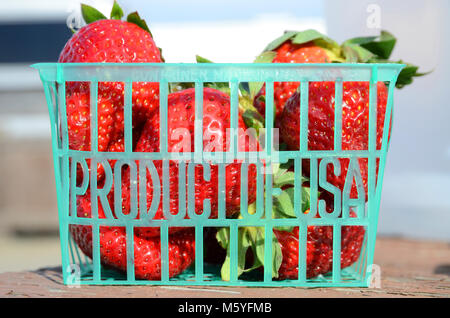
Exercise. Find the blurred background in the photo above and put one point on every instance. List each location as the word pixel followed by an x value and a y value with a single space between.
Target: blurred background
pixel 415 202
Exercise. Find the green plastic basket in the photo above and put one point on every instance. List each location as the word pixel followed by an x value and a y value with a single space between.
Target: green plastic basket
pixel 79 269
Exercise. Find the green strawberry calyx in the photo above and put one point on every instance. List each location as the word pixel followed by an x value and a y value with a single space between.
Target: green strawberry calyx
pixel 330 46
pixel 253 238
pixel 378 49
pixel 371 49
pixel 91 14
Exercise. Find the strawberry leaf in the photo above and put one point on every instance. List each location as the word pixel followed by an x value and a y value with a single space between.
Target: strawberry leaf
pixel 311 35
pixel 265 57
pixel 244 88
pixel 90 14
pixel 257 239
pixel 161 55
pixel 200 59
pixel 221 86
pixel 378 47
pixel 116 11
pixel 223 237
pixel 277 256
pixel 243 244
pixel 383 46
pixel 245 241
pixel 306 199
pixel 225 269
pixel 407 75
pixel 252 118
pixel 277 42
pixel 283 178
pixel 284 204
pixel 136 19
pixel 254 237
pixel 361 40
pixel 356 54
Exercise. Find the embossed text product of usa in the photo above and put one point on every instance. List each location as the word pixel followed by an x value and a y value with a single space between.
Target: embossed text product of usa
pixel 80 269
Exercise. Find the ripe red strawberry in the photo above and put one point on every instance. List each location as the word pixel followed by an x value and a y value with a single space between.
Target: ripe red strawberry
pixel 78 122
pixel 355 124
pixel 116 41
pixel 112 41
pixel 181 117
pixel 319 250
pixel 311 46
pixel 147 251
pixel 79 126
pixel 290 52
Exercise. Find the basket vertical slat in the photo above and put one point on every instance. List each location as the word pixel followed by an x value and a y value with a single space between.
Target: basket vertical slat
pixel 338 115
pixel 163 142
pixel 269 121
pixel 372 145
pixel 52 102
pixel 96 263
pixel 336 274
pixel 268 268
pixel 233 252
pixel 164 253
pixel 64 166
pixel 303 233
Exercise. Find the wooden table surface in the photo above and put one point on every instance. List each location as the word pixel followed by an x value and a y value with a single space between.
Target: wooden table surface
pixel 408 269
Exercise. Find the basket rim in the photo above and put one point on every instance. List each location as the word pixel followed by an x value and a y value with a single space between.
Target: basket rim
pixel 215 65
pixel 218 72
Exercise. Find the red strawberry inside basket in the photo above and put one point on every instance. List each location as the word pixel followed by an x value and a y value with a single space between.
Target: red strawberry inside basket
pixel 181 119
pixel 105 40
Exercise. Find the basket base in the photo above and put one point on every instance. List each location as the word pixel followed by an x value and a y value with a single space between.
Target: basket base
pixel 211 277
